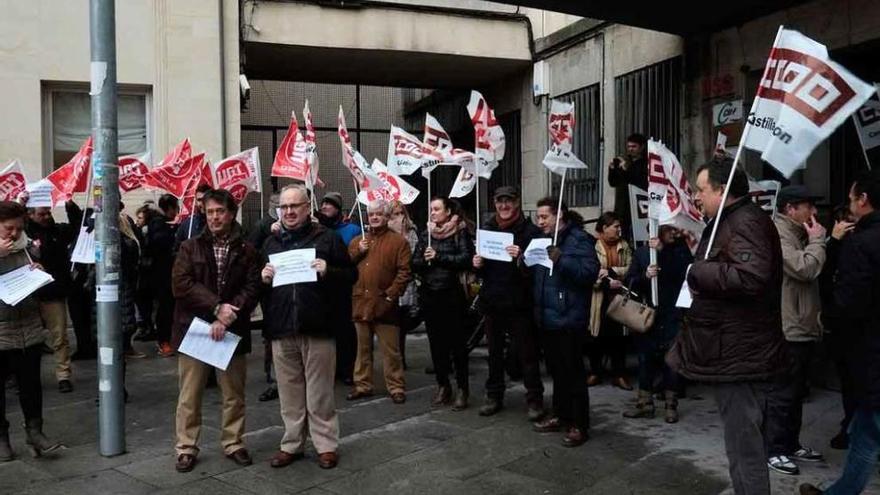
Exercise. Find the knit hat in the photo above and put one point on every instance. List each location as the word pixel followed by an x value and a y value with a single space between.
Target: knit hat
pixel 334 198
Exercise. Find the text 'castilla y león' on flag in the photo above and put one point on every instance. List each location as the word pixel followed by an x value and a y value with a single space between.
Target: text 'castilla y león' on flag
pixel 803 96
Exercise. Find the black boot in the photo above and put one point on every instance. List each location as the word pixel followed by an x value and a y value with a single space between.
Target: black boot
pixel 36 440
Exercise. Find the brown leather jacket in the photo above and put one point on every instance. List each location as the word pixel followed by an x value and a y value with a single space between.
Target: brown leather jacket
pixel 194 283
pixel 383 273
pixel 733 330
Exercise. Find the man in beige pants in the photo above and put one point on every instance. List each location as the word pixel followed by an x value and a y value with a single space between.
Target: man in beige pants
pixel 383 261
pixel 298 320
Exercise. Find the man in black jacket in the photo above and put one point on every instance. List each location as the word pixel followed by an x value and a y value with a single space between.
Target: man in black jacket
pixel 160 243
pixel 298 320
pixel 505 302
pixel 629 169
pixel 53 240
pixel 857 294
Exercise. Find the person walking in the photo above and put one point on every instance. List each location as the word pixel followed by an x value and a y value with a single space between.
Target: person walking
pixel 299 322
pixel 561 305
pixel 383 262
pixel 443 299
pixel 609 338
pixel 21 339
pixel 673 259
pixel 216 278
pixel 803 255
pixel 505 302
pixel 732 334
pixel 857 294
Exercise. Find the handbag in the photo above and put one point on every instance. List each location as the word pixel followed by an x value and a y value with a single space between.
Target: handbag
pixel 634 314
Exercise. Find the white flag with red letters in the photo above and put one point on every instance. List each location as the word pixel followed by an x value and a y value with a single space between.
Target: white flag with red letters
pixel 387 186
pixel 12 181
pixel 405 153
pixel 670 197
pixel 464 183
pixel 489 137
pixel 561 128
pixel 239 174
pixel 802 98
pixel 132 169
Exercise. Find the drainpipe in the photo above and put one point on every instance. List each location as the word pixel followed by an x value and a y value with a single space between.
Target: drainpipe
pixel 220 23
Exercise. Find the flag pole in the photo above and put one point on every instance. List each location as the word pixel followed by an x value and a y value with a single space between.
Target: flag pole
pixel 739 148
pixel 357 200
pixel 429 208
pixel 477 172
pixel 861 142
pixel 559 210
pixel 652 253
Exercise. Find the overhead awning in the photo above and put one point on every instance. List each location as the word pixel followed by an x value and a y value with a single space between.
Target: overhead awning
pixel 683 17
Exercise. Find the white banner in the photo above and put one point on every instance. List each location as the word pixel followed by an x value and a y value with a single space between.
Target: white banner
pixel 802 98
pixel 489 145
pixel 391 188
pixel 405 154
pixel 764 193
pixel 464 183
pixel 670 193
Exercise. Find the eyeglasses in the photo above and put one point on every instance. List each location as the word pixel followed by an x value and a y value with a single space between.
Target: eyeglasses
pixel 292 206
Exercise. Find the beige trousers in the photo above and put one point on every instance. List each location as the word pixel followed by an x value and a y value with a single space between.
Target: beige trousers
pixel 54 314
pixel 305 368
pixel 193 375
pixel 392 365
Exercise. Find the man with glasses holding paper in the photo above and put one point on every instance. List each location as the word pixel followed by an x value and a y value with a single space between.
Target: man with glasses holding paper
pixel 308 267
pixel 216 279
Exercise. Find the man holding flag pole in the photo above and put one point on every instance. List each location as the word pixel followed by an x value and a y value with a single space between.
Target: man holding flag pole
pixel 733 335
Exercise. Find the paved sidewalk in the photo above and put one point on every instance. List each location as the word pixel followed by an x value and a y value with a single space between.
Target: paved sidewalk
pixel 389 448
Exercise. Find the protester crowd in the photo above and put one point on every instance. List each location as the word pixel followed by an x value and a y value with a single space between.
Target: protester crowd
pixel 770 291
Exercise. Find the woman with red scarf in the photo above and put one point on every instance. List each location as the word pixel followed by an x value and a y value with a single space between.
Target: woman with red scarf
pixel 442 297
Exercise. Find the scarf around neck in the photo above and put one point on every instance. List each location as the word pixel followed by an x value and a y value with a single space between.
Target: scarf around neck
pixel 445 231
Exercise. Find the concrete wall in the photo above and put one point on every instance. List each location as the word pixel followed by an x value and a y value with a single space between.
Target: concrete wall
pixel 170 47
pixel 605 54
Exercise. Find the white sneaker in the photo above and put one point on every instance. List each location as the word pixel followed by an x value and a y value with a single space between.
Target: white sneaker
pixel 807 454
pixel 782 464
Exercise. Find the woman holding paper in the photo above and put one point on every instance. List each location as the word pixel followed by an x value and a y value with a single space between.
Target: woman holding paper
pixel 561 306
pixel 609 337
pixel 21 339
pixel 439 260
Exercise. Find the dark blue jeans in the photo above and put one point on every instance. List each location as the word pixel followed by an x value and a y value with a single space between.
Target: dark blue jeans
pixel 864 445
pixel 652 365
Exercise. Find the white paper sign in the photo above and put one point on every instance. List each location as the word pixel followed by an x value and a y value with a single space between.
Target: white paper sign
pixel 536 253
pixel 106 293
pixel 198 344
pixel 84 251
pixel 638 207
pixel 40 194
pixel 721 142
pixel 492 245
pixel 727 113
pixel 293 267
pixel 16 285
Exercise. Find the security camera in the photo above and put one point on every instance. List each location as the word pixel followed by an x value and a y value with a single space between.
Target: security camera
pixel 245 86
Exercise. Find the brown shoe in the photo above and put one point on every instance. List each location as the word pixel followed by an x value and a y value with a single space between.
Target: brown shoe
pixel 622 383
pixel 282 458
pixel 593 380
pixel 398 397
pixel 241 457
pixel 358 394
pixel 548 425
pixel 442 396
pixel 185 463
pixel 574 437
pixel 328 460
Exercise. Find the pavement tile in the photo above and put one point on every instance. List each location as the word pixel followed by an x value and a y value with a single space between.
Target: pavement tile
pixel 159 470
pixel 394 477
pixel 500 481
pixel 17 476
pixel 301 475
pixel 107 481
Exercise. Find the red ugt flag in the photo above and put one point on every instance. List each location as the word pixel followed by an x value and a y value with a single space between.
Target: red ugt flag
pixel 12 181
pixel 73 176
pixel 173 173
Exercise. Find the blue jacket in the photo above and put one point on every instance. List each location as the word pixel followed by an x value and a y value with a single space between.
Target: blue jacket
pixel 347 231
pixel 562 302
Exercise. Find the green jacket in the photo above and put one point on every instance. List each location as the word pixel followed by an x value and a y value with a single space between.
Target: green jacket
pixel 20 325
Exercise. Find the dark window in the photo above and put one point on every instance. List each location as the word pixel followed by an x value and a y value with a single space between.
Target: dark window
pixel 648 101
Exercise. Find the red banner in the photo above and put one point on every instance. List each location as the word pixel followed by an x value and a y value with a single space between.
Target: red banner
pixel 173 173
pixel 73 176
pixel 292 157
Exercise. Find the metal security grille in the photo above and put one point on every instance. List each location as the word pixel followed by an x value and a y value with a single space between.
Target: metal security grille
pixel 369 112
pixel 582 186
pixel 648 101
